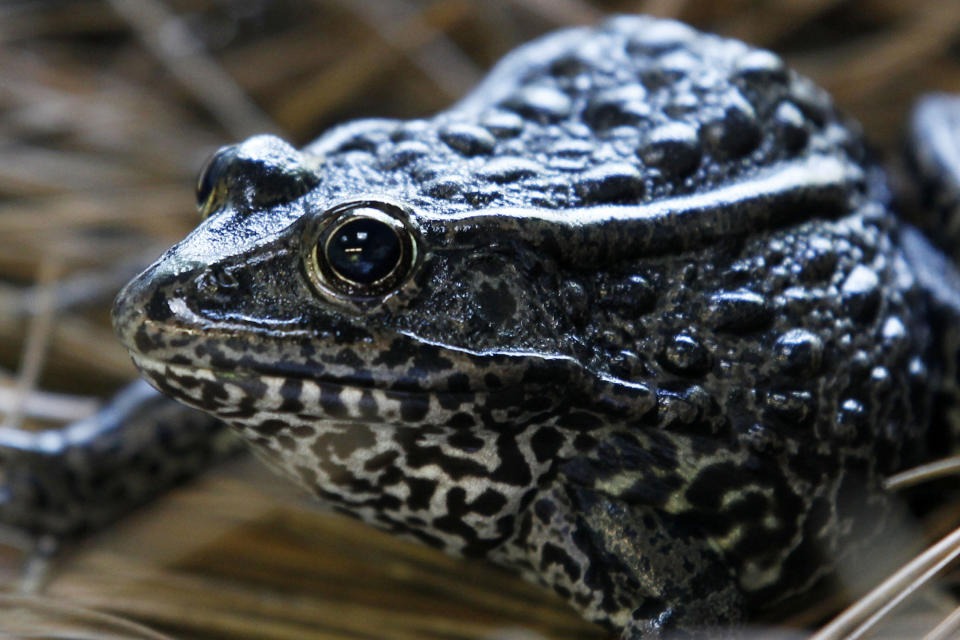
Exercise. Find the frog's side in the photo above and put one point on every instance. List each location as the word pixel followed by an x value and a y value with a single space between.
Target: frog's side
pixel 653 335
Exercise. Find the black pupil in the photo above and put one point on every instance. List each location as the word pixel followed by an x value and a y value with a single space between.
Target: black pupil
pixel 364 250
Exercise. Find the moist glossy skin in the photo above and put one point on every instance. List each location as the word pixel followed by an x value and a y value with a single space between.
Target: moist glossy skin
pixel 654 337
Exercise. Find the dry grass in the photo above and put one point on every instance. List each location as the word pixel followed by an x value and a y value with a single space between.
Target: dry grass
pixel 107 109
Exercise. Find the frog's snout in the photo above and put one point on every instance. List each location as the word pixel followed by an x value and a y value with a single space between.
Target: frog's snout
pixel 146 306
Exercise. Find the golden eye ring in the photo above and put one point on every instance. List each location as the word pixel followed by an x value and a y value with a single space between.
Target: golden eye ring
pixel 361 250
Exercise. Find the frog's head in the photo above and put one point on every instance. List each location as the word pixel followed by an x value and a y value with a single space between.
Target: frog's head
pixel 289 300
pixel 290 297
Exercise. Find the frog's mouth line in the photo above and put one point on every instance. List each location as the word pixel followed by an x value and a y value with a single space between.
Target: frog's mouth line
pixel 232 395
pixel 239 395
pixel 510 368
pixel 245 400
pixel 248 377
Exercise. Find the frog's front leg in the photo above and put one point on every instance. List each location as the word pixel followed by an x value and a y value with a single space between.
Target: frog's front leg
pixel 67 481
pixel 634 568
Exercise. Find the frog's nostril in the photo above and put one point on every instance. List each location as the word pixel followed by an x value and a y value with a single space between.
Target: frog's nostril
pixel 158 307
pixel 147 300
pixel 225 278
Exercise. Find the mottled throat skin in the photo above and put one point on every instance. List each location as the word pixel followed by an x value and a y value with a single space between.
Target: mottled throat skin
pixel 634 318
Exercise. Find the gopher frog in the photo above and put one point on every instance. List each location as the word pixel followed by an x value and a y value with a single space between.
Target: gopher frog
pixel 634 319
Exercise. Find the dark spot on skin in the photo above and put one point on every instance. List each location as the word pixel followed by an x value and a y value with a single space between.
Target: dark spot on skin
pixel 552 554
pixel 584 442
pixel 396 355
pixel 506 169
pixel 158 308
pixel 546 442
pixel 488 503
pixel 368 408
pixel 421 492
pixel 342 442
pixel 465 441
pixel 735 134
pixel 624 105
pixel 290 391
pixel 406 153
pixel 444 188
pixel 414 408
pixel 270 428
pixel 496 305
pixel 492 267
pixel 569 65
pixel 610 183
pixel 580 420
pixel 544 510
pixel 469 140
pixel 458 383
pixel 146 342
pixel 481 196
pixel 381 461
pixel 573 149
pixel 360 142
pixel 673 148
pixel 331 404
pixel 461 420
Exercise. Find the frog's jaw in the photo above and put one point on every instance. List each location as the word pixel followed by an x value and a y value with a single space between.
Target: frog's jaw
pixel 451 470
pixel 450 465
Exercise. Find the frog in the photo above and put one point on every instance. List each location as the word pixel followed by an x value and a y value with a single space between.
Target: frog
pixel 637 318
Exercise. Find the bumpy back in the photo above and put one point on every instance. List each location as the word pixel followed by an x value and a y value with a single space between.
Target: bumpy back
pixel 631 111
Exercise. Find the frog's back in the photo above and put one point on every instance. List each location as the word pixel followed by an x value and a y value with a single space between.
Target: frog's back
pixel 633 111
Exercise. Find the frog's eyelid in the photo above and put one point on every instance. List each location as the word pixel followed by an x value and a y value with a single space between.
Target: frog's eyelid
pixel 820 186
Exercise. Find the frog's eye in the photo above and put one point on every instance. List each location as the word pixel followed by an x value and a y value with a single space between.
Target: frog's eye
pixel 207 196
pixel 363 250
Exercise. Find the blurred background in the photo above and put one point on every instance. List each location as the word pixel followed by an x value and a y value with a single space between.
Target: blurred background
pixel 108 109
